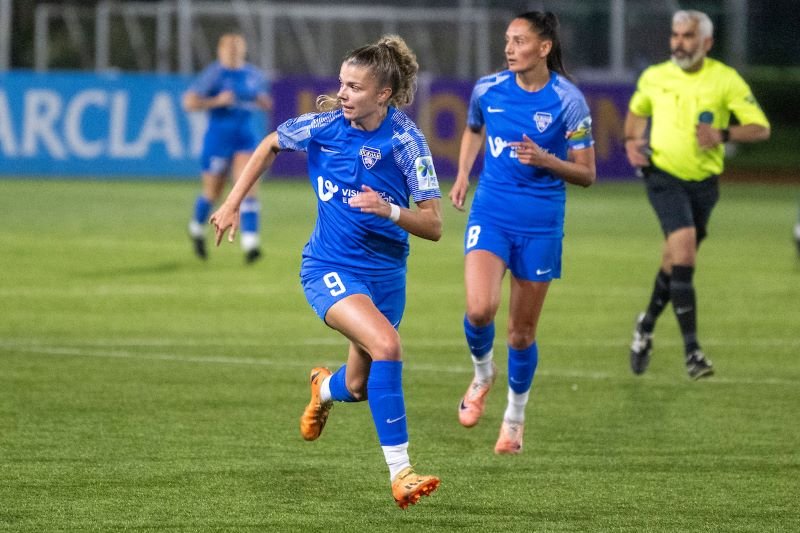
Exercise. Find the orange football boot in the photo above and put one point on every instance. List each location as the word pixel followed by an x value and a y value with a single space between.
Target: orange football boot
pixel 408 487
pixel 316 412
pixel 470 409
pixel 510 439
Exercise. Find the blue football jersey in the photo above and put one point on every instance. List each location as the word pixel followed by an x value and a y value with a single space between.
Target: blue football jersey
pixel 246 83
pixel 394 160
pixel 521 198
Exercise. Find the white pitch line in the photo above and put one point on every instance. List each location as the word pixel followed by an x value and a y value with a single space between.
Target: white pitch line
pixel 416 367
pixel 453 342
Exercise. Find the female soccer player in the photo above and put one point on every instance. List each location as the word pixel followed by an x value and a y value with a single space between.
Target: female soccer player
pixel 231 90
pixel 365 158
pixel 538 132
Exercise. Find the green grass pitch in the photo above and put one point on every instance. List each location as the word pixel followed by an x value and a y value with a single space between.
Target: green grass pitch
pixel 143 389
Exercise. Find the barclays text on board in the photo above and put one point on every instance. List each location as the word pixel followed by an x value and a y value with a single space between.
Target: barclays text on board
pixel 73 124
pixel 133 125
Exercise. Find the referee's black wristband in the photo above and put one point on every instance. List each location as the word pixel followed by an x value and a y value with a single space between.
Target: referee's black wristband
pixel 725 133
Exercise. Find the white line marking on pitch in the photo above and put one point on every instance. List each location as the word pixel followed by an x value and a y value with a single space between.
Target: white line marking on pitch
pixel 44 350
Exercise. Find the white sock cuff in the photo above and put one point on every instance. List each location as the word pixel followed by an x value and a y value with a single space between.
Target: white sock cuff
pixel 396 458
pixel 325 390
pixel 196 229
pixel 484 359
pixel 250 241
pixel 518 399
pixel 515 410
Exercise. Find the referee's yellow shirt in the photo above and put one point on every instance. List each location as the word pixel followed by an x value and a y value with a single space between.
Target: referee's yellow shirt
pixel 674 100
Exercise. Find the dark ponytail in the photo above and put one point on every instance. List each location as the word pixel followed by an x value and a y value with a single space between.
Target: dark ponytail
pixel 545 24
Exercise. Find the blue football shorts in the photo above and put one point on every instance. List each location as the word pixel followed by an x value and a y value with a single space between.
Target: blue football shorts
pixel 324 287
pixel 528 258
pixel 221 144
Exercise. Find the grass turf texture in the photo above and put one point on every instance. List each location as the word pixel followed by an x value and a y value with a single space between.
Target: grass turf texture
pixel 141 388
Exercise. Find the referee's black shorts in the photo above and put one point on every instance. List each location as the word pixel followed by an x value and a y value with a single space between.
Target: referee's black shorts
pixel 681 203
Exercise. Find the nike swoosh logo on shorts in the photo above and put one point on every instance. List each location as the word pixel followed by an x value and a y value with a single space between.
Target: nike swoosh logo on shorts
pixel 542 272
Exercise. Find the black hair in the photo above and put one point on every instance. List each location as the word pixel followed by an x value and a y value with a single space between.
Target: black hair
pixel 545 24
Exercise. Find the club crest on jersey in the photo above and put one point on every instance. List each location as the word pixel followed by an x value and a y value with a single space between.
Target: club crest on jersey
pixel 369 156
pixel 542 120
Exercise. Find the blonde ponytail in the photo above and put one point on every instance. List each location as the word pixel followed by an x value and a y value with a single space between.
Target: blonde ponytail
pixel 392 63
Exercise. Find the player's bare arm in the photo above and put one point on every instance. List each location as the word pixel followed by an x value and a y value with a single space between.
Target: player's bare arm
pixel 227 216
pixel 194 102
pixel 471 142
pixel 635 141
pixel 709 137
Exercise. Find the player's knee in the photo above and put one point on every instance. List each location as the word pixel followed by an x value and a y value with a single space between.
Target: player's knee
pixel 480 316
pixel 386 347
pixel 521 338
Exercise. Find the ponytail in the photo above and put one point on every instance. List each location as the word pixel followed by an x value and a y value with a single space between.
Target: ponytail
pixel 392 63
pixel 545 24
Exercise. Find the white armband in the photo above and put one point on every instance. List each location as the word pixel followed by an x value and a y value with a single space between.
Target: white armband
pixel 394 213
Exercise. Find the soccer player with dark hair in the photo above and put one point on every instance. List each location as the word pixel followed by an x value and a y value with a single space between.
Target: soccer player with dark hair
pixel 687 102
pixel 366 158
pixel 537 130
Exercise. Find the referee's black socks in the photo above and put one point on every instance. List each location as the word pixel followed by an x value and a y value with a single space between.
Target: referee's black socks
pixel 658 301
pixel 681 292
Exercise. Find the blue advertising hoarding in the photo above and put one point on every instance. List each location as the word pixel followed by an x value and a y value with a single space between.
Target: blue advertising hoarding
pixel 133 125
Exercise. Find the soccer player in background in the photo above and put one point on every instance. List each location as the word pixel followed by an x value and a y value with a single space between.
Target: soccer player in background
pixel 537 129
pixel 365 159
pixel 687 102
pixel 231 90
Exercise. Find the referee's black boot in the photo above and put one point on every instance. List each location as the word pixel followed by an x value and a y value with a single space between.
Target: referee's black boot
pixel 698 366
pixel 641 347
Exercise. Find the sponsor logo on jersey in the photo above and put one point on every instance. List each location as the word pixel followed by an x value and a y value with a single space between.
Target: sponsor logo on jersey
pixel 497 145
pixel 369 156
pixel 491 109
pixel 542 120
pixel 426 174
pixel 325 189
pixel 347 194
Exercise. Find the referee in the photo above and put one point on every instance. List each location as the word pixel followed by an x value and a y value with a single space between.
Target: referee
pixel 687 102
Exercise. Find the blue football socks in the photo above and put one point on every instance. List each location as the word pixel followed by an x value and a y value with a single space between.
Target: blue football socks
pixel 521 367
pixel 202 209
pixel 479 339
pixel 339 392
pixel 385 398
pixel 249 215
pixel 248 223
